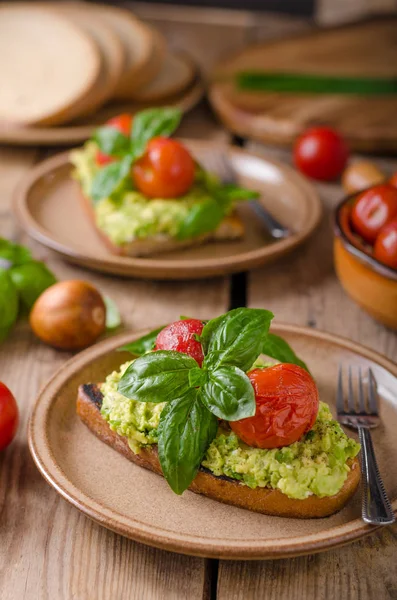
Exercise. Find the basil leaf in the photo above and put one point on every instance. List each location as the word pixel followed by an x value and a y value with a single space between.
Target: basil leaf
pixel 202 218
pixel 186 430
pixel 109 178
pixel 8 304
pixel 143 344
pixel 229 394
pixel 13 254
pixel 113 318
pixel 235 338
pixel 234 193
pixel 30 280
pixel 197 377
pixel 112 142
pixel 276 347
pixel 150 123
pixel 157 377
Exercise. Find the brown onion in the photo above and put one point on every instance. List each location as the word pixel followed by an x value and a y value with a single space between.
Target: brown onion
pixel 361 175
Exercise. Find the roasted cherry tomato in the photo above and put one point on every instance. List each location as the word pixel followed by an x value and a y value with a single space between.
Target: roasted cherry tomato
pixel 9 416
pixel 373 209
pixel 393 180
pixel 385 249
pixel 180 336
pixel 286 407
pixel 122 123
pixel 166 170
pixel 321 153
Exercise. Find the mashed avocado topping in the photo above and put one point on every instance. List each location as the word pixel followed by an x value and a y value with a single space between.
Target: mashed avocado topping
pixel 129 215
pixel 316 464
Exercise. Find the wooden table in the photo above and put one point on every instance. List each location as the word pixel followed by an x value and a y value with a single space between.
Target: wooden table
pixel 47 548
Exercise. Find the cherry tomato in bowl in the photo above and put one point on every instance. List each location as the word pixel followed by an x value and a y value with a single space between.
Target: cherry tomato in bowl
pixel 385 248
pixel 9 416
pixel 123 124
pixel 166 170
pixel 181 337
pixel 321 153
pixel 286 407
pixel 373 209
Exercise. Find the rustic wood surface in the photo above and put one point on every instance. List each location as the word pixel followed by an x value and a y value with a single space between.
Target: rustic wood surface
pixel 48 550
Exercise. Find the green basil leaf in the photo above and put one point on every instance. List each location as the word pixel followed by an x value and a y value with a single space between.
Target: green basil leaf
pixel 234 193
pixel 229 394
pixel 13 254
pixel 197 377
pixel 185 432
pixel 107 180
pixel 276 347
pixel 30 280
pixel 143 344
pixel 113 317
pixel 236 338
pixel 112 142
pixel 151 123
pixel 157 376
pixel 9 304
pixel 202 218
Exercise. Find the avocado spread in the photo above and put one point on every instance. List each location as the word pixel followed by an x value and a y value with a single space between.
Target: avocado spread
pixel 129 215
pixel 316 464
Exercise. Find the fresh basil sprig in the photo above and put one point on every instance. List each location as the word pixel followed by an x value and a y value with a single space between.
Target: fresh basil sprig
pixel 202 218
pixel 143 344
pixel 147 124
pixel 276 347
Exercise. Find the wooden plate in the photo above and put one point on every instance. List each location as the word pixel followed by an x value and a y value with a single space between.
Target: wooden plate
pixel 367 122
pixel 80 130
pixel 139 504
pixel 48 206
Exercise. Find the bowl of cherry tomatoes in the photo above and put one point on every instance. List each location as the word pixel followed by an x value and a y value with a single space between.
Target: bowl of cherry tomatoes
pixel 365 249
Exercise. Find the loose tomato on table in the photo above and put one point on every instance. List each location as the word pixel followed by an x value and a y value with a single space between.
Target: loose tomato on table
pixel 321 153
pixel 286 407
pixel 166 170
pixel 373 209
pixel 9 416
pixel 385 248
pixel 181 337
pixel 123 124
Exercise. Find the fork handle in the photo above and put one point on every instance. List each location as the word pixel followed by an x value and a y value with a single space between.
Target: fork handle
pixel 376 507
pixel 274 227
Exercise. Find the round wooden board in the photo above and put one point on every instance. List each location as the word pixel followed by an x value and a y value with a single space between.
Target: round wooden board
pixel 48 206
pixel 364 49
pixel 139 504
pixel 80 130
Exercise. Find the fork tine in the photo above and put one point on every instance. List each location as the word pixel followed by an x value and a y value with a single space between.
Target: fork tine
pixel 361 397
pixel 340 405
pixel 372 393
pixel 350 397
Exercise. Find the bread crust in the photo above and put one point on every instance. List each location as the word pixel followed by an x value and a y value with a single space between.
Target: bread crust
pixel 223 489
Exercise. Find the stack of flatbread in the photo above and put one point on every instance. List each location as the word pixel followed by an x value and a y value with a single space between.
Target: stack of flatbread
pixel 62 62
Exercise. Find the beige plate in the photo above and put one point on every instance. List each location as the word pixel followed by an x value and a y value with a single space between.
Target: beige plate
pixel 79 131
pixel 48 206
pixel 139 504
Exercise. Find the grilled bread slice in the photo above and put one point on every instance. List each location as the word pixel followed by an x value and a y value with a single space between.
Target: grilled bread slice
pixel 231 228
pixel 263 500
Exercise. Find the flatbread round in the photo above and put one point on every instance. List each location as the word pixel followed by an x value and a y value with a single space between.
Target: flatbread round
pixel 47 65
pixel 176 75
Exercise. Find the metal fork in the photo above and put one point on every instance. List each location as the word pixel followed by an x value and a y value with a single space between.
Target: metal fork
pixel 376 507
pixel 218 162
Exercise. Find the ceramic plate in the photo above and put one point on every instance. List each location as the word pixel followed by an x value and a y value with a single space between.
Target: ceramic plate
pixel 48 206
pixel 82 129
pixel 139 504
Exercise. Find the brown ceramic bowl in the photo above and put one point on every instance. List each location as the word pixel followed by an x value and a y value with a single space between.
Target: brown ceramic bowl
pixel 370 283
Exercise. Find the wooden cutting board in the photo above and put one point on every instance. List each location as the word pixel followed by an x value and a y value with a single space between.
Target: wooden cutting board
pixel 369 123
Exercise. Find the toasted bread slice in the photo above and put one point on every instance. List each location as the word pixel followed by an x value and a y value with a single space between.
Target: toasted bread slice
pixel 224 489
pixel 231 228
pixel 48 65
pixel 176 74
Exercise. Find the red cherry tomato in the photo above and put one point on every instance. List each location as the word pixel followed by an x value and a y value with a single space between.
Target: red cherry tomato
pixel 166 170
pixel 385 249
pixel 321 153
pixel 373 209
pixel 393 180
pixel 9 416
pixel 286 407
pixel 122 123
pixel 180 336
